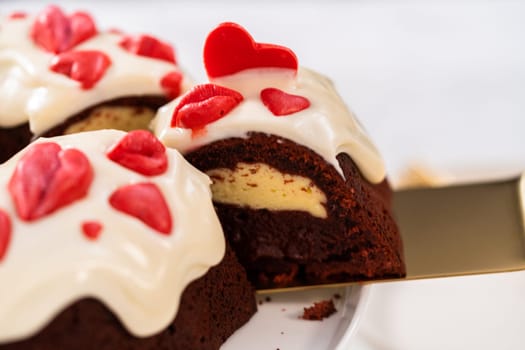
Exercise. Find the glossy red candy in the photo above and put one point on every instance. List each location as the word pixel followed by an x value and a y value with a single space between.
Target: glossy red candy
pixel 48 178
pixel 140 151
pixel 145 202
pixel 91 229
pixel 86 67
pixel 230 49
pixel 281 103
pixel 171 84
pixel 5 233
pixel 204 104
pixel 148 46
pixel 55 32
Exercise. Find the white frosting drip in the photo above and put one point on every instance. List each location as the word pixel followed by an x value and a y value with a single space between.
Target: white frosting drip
pixel 29 90
pixel 134 270
pixel 327 127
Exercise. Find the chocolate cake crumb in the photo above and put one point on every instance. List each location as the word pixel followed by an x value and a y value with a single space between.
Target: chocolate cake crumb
pixel 268 299
pixel 319 310
pixel 337 296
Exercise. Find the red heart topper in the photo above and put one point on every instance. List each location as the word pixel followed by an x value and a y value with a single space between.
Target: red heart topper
pixel 140 151
pixel 281 103
pixel 48 178
pixel 5 233
pixel 91 229
pixel 230 49
pixel 145 202
pixel 148 46
pixel 204 104
pixel 171 84
pixel 17 15
pixel 55 32
pixel 86 67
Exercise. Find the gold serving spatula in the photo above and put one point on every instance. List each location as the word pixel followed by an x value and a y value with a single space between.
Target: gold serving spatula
pixel 463 229
pixel 460 229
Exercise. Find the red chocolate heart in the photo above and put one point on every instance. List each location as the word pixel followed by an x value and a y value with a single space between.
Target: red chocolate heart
pixel 86 67
pixel 145 202
pixel 17 15
pixel 171 84
pixel 91 229
pixel 140 151
pixel 55 32
pixel 48 178
pixel 148 46
pixel 204 104
pixel 230 49
pixel 281 103
pixel 5 233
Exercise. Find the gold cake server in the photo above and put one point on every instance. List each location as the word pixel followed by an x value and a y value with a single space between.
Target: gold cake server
pixel 460 229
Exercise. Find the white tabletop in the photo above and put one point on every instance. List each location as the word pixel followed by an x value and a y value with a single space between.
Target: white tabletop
pixel 438 84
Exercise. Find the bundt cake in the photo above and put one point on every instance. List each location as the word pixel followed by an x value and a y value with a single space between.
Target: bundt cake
pixel 300 189
pixel 109 240
pixel 59 74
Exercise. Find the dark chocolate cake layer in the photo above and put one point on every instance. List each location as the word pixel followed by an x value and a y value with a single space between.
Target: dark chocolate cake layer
pixel 211 309
pixel 358 240
pixel 13 140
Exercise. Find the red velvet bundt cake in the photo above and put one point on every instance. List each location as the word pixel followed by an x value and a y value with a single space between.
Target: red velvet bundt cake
pixel 299 188
pixel 110 241
pixel 60 74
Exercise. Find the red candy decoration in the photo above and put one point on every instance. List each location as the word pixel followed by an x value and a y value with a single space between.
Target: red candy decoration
pixel 281 103
pixel 140 151
pixel 18 15
pixel 86 67
pixel 48 178
pixel 145 202
pixel 55 32
pixel 5 233
pixel 171 84
pixel 204 104
pixel 91 229
pixel 148 46
pixel 230 49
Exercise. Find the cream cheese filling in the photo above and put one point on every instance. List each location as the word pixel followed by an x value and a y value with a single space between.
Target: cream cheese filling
pixel 125 118
pixel 260 186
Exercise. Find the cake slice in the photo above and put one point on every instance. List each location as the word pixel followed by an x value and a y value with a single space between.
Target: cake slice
pixel 299 188
pixel 108 240
pixel 60 74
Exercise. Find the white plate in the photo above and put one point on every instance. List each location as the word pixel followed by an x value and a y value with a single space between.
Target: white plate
pixel 277 324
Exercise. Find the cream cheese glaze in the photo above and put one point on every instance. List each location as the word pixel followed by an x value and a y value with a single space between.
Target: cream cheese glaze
pixel 327 127
pixel 133 269
pixel 31 91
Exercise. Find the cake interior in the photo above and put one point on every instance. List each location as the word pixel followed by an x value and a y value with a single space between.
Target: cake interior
pixel 293 219
pixel 126 114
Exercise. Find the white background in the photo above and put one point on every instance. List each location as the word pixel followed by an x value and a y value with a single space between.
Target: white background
pixel 436 83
